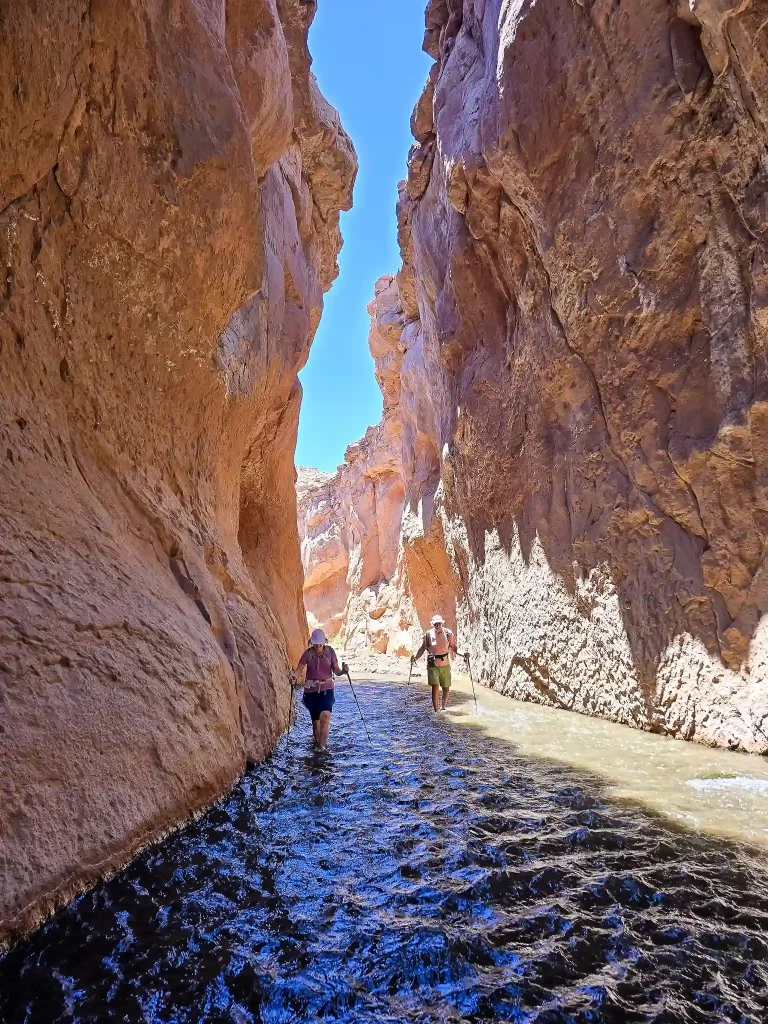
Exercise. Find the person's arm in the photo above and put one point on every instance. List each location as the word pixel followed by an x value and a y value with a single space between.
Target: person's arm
pixel 335 665
pixel 302 664
pixel 420 651
pixel 452 644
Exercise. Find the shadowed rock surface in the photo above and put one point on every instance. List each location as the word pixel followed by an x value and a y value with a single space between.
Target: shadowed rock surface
pixel 584 239
pixel 170 183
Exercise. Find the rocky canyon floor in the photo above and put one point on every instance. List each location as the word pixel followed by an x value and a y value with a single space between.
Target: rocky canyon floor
pixel 505 862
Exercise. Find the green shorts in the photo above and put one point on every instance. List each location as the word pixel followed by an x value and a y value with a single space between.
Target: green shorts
pixel 440 675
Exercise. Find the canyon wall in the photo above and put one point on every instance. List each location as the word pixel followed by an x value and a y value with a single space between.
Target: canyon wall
pixel 355 583
pixel 376 567
pixel 170 184
pixel 584 241
pixel 581 461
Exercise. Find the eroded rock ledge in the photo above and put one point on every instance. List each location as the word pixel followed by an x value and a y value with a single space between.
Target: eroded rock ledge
pixel 584 240
pixel 170 183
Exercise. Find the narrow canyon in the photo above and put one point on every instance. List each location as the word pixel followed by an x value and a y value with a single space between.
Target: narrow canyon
pixel 572 463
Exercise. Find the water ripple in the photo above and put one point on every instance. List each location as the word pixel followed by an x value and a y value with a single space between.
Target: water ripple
pixel 437 876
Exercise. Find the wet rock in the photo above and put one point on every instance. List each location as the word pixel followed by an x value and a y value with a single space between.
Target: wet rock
pixel 170 182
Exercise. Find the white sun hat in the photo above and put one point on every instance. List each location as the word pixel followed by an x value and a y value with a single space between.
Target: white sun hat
pixel 437 618
pixel 318 637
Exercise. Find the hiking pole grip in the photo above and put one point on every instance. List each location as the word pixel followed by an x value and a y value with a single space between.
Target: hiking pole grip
pixel 362 717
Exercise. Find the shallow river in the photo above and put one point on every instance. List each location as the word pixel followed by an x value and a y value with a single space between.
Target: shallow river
pixel 510 864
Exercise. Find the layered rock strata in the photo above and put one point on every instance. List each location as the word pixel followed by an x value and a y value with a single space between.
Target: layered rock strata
pixel 584 236
pixel 373 550
pixel 170 183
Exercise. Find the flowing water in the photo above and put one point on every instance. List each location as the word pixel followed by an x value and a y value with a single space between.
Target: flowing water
pixel 516 871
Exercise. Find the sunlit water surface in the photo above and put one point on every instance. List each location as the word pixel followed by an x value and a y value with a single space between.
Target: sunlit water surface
pixel 514 871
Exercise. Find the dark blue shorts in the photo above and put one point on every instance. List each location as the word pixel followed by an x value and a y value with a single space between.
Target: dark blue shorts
pixel 317 703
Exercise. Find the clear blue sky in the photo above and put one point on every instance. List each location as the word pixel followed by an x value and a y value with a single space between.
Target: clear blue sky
pixel 369 64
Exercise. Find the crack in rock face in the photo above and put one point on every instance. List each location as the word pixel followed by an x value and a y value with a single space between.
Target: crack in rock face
pixel 170 188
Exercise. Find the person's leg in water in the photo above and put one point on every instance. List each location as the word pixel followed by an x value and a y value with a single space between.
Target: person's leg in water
pixel 445 684
pixel 439 678
pixel 310 702
pixel 433 679
pixel 323 729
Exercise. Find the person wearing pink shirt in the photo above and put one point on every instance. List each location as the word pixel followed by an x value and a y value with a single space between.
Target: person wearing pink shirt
pixel 321 664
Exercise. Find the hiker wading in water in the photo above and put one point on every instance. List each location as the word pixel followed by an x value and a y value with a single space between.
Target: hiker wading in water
pixel 321 663
pixel 438 642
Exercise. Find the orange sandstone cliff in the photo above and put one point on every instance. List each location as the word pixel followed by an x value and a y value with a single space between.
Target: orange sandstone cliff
pixel 355 578
pixel 584 242
pixel 170 184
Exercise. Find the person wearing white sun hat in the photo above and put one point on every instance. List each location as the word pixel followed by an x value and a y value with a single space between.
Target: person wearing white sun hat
pixel 438 642
pixel 321 664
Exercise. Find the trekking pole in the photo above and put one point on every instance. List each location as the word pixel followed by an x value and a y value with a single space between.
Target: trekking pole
pixel 290 715
pixel 468 663
pixel 362 717
pixel 410 672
